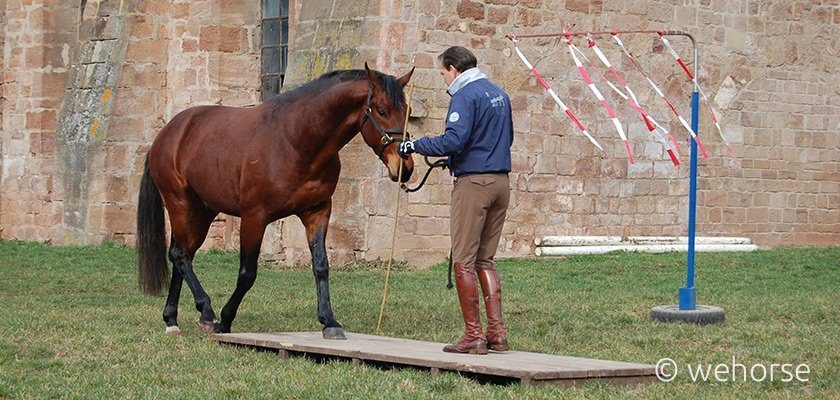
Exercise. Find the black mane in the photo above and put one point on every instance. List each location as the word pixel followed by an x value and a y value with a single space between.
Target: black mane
pixel 393 89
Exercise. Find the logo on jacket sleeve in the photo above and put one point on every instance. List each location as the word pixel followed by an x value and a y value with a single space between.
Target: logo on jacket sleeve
pixel 454 117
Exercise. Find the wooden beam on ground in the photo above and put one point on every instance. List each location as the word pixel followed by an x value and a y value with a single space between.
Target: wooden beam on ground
pixel 530 369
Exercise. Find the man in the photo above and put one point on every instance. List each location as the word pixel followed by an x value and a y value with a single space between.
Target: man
pixel 477 139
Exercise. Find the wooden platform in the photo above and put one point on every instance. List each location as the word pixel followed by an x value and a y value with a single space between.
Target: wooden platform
pixel 528 368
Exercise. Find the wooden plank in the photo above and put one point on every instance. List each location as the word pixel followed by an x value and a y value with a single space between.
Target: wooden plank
pixel 398 352
pixel 576 382
pixel 408 352
pixel 530 368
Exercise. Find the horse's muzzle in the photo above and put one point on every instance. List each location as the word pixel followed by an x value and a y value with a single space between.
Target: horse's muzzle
pixel 406 173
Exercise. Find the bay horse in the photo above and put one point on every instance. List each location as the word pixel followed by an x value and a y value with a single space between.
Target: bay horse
pixel 262 164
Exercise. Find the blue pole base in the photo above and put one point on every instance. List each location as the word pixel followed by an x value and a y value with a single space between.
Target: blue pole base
pixel 688 298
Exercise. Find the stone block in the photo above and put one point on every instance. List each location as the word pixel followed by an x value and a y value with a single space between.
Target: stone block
pixel 237 71
pixel 498 15
pixel 641 169
pixel 118 160
pixel 578 5
pixel 119 219
pixel 470 9
pixel 238 13
pixel 117 190
pixel 352 9
pixel 316 10
pixel 482 30
pixel 151 51
pixel 223 38
pixel 736 40
pixel 126 129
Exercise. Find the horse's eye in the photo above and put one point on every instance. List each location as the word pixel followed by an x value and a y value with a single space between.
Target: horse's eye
pixel 382 113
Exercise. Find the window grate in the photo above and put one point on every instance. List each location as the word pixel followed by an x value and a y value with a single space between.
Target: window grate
pixel 274 46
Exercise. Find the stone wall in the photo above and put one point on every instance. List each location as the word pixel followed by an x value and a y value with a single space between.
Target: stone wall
pixel 2 97
pixel 67 178
pixel 35 70
pixel 779 105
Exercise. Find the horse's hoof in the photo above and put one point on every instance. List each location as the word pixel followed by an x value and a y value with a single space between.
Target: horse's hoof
pixel 219 328
pixel 208 327
pixel 173 330
pixel 334 333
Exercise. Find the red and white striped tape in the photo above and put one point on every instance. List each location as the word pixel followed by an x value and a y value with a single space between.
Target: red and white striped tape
pixel 649 121
pixel 631 98
pixel 717 124
pixel 588 80
pixel 691 76
pixel 673 109
pixel 554 96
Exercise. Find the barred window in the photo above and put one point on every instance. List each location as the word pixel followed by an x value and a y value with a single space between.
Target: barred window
pixel 275 44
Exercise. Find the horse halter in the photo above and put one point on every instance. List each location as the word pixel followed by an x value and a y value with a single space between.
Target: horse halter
pixel 387 139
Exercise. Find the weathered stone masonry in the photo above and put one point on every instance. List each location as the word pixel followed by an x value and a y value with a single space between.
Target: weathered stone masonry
pixel 86 86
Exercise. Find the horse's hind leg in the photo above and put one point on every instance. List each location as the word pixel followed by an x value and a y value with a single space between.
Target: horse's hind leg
pixel 170 311
pixel 316 222
pixel 251 234
pixel 189 228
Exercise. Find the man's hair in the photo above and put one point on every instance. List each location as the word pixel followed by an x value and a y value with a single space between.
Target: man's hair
pixel 458 57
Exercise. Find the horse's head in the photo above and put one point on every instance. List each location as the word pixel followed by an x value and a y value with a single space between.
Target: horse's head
pixel 385 112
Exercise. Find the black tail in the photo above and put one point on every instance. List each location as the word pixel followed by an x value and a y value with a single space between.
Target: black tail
pixel 153 271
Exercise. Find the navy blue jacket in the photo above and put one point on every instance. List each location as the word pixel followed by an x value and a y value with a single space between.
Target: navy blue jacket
pixel 479 130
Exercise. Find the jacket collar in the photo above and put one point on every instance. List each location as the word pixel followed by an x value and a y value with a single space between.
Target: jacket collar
pixel 468 76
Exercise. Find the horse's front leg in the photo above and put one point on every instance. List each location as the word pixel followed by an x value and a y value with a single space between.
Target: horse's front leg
pixel 251 233
pixel 316 222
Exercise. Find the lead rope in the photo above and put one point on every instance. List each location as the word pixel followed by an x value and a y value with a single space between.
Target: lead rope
pixel 449 282
pixel 442 164
pixel 396 215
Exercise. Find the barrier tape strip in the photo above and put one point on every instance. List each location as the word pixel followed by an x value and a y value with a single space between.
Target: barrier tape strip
pixel 635 101
pixel 673 109
pixel 554 96
pixel 655 134
pixel 676 56
pixel 651 124
pixel 588 80
pixel 621 94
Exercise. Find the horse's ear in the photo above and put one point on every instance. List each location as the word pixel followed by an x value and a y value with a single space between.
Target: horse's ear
pixel 374 80
pixel 403 80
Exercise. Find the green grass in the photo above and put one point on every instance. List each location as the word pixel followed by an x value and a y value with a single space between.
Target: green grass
pixel 73 325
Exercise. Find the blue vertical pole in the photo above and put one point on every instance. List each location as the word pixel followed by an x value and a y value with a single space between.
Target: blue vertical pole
pixel 688 294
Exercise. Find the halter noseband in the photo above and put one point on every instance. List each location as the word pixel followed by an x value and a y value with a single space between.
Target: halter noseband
pixel 387 139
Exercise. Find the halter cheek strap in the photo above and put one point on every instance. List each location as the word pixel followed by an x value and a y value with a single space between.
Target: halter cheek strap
pixel 387 139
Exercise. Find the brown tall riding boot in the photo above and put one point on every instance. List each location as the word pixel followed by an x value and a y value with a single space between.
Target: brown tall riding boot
pixel 473 341
pixel 492 289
